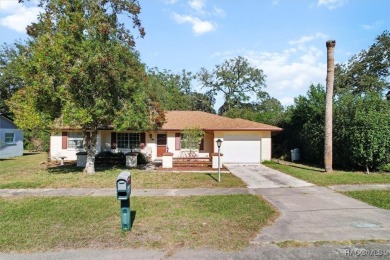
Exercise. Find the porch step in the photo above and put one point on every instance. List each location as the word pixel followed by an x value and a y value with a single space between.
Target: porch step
pixel 192 162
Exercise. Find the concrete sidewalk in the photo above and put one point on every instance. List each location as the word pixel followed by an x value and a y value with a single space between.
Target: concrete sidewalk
pixel 112 192
pixel 360 187
pixel 311 213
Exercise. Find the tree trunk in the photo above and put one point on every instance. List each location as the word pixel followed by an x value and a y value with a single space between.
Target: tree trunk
pixel 91 150
pixel 328 151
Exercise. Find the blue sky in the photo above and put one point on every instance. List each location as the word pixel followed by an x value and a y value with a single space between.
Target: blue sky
pixel 284 38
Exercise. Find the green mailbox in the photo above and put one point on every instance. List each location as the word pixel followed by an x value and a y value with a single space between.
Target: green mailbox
pixel 123 191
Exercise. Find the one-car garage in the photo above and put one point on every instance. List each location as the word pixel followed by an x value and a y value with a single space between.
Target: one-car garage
pixel 241 148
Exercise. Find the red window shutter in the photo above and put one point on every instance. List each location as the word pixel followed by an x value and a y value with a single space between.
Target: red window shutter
pixel 64 140
pixel 201 146
pixel 177 141
pixel 143 138
pixel 113 140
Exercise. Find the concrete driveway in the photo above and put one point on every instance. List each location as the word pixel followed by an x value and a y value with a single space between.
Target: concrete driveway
pixel 311 213
pixel 259 176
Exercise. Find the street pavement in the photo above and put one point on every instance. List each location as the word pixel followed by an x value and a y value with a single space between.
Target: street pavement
pixel 331 252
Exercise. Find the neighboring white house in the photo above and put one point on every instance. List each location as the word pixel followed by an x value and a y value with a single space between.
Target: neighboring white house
pixel 11 138
pixel 244 141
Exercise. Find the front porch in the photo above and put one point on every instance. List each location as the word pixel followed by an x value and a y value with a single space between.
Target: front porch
pixel 213 161
pixel 192 162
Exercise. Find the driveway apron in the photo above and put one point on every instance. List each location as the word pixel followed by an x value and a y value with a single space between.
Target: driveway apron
pixel 311 213
pixel 259 176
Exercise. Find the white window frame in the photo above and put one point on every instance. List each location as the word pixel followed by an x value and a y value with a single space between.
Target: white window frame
pixel 75 140
pixel 7 139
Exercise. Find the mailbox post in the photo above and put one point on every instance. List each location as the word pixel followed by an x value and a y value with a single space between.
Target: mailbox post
pixel 123 191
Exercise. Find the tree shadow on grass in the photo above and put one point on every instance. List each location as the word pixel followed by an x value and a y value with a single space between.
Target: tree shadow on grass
pixel 30 153
pixel 313 168
pixel 72 168
pixel 212 177
pixel 6 159
pixel 64 169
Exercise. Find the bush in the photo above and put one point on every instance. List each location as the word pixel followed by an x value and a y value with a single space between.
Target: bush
pixel 141 159
pixel 36 140
pixel 109 158
pixel 385 168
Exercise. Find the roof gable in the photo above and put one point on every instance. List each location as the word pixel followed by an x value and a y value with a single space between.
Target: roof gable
pixel 6 123
pixel 178 120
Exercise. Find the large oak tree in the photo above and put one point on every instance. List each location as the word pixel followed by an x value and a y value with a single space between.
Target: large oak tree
pixel 236 79
pixel 80 69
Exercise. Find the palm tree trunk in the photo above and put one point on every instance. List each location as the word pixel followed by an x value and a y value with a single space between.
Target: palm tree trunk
pixel 328 151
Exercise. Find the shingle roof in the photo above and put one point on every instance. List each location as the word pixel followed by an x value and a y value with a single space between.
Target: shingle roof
pixel 178 120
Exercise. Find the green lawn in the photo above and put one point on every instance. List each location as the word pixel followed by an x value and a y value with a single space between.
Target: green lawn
pixel 30 171
pixel 221 222
pixel 377 198
pixel 320 177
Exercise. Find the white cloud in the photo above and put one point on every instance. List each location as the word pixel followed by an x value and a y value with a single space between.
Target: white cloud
pixel 199 27
pixel 372 26
pixel 332 4
pixel 17 16
pixel 200 17
pixel 170 2
pixel 289 73
pixel 197 4
pixel 287 101
pixel 219 12
pixel 308 38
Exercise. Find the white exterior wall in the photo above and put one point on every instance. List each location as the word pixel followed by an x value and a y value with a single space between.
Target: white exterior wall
pixel 266 146
pixel 11 149
pixel 56 150
pixel 103 144
pixel 151 144
pixel 171 143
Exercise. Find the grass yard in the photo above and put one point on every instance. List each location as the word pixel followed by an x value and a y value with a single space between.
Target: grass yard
pixel 377 198
pixel 221 222
pixel 320 177
pixel 29 171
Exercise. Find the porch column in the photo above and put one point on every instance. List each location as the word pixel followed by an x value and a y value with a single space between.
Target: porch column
pixel 167 160
pixel 215 160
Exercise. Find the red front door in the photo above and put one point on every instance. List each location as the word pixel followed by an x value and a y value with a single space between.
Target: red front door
pixel 161 144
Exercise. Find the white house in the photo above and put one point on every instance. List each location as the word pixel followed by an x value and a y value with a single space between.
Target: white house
pixel 11 138
pixel 244 141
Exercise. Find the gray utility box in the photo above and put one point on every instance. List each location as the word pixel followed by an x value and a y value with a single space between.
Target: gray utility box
pixel 123 185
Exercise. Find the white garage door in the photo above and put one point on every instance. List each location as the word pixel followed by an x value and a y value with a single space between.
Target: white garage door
pixel 241 148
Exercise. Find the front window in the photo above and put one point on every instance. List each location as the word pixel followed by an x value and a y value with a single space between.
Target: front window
pixel 9 138
pixel 128 140
pixel 75 140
